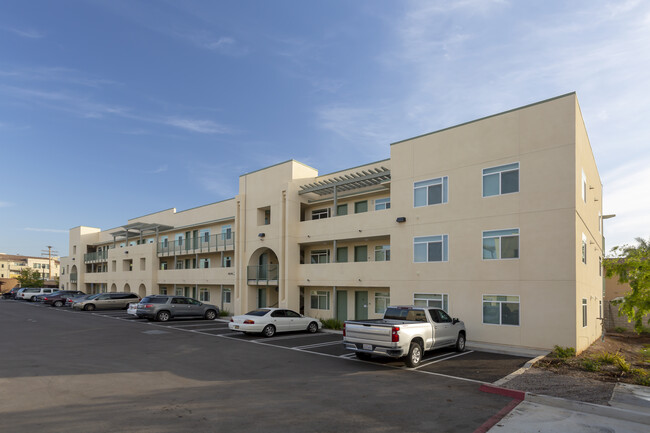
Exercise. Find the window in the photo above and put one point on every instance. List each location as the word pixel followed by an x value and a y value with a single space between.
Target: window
pixel 179 240
pixel 584 312
pixel 320 214
pixel 382 203
pixel 163 266
pixel 127 265
pixel 226 232
pixel 74 249
pixel 361 206
pixel 584 187
pixel 204 295
pixel 382 253
pixel 264 216
pixel 501 310
pixel 190 263
pixel 163 290
pixel 503 179
pixel 320 256
pixel 226 296
pixel 179 264
pixel 584 249
pixel 178 292
pixel 431 249
pixel 204 263
pixel 501 244
pixel 320 300
pixel 382 301
pixel 341 254
pixel 361 253
pixel 430 192
pixel 434 300
pixel 205 236
pixel 342 209
pixel 226 262
pixel 164 241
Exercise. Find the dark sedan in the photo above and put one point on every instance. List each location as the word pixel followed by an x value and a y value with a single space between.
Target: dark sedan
pixel 57 299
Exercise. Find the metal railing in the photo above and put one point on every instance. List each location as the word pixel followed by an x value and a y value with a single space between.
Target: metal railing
pixel 97 256
pixel 200 244
pixel 262 273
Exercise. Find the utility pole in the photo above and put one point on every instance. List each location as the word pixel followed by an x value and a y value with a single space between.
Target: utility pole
pixel 49 253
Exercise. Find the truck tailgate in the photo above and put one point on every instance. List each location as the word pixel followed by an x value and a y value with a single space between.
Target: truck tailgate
pixel 368 333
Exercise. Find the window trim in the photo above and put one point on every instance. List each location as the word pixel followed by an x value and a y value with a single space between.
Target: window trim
pixel 320 253
pixel 382 295
pixel 443 295
pixel 384 201
pixel 500 258
pixel 442 236
pixel 318 294
pixel 497 166
pixel 500 311
pixel 444 181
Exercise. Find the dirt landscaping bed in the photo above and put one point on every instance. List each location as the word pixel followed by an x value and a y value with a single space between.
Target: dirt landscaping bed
pixel 591 376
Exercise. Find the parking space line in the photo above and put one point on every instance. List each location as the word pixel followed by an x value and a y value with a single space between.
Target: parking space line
pixel 202 330
pixel 310 346
pixel 348 356
pixel 288 337
pixel 174 325
pixel 444 359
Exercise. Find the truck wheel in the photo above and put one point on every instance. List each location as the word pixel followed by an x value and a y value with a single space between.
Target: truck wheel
pixel 460 343
pixel 415 355
pixel 362 356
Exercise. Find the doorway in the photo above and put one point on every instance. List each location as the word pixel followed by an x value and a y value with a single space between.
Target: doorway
pixel 361 305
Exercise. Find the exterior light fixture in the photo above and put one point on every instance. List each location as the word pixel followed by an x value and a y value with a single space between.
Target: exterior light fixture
pixel 261 235
pixel 401 219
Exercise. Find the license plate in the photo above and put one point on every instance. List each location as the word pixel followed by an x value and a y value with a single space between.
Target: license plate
pixel 236 326
pixel 367 347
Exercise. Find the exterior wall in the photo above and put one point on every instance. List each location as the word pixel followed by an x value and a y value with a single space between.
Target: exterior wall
pixel 12 265
pixel 613 290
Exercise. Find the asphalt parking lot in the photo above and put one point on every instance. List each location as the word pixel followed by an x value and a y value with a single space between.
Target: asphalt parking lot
pixel 197 375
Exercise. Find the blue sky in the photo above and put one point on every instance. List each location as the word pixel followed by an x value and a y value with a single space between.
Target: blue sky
pixel 114 109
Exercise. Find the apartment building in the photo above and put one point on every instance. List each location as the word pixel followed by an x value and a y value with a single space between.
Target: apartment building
pixel 497 221
pixel 11 265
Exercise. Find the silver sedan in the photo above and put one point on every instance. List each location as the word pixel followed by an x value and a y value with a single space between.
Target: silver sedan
pixel 268 321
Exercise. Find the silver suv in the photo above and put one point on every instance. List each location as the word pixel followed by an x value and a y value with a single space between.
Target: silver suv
pixel 106 301
pixel 163 307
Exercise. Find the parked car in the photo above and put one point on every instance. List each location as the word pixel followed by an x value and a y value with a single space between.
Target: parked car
pixel 405 331
pixel 106 301
pixel 268 321
pixel 72 299
pixel 11 294
pixel 163 307
pixel 57 299
pixel 28 293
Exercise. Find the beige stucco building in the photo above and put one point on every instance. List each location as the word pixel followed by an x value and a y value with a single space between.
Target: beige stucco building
pixel 497 221
pixel 11 265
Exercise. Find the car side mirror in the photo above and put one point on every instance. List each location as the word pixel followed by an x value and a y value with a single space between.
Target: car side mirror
pixel 454 320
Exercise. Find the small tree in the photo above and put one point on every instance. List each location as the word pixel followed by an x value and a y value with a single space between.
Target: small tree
pixel 632 265
pixel 30 278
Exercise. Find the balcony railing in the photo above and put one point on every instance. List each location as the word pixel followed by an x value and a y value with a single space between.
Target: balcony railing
pixel 73 278
pixel 262 274
pixel 98 256
pixel 218 242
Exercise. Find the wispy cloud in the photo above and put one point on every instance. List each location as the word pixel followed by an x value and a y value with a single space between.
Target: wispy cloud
pixel 33 229
pixel 161 169
pixel 25 33
pixel 198 125
pixel 217 179
pixel 226 45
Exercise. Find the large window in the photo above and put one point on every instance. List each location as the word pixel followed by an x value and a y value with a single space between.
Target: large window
pixel 584 313
pixel 342 209
pixel 163 290
pixel 382 253
pixel 226 232
pixel 320 214
pixel 205 236
pixel 431 249
pixel 501 310
pixel 361 253
pixel 204 295
pixel 501 244
pixel 361 206
pixel 430 192
pixel 382 301
pixel 226 296
pixel 320 256
pixel 320 300
pixel 226 262
pixel 204 263
pixel 179 291
pixel 382 204
pixel 432 300
pixel 341 254
pixel 503 179
pixel 164 241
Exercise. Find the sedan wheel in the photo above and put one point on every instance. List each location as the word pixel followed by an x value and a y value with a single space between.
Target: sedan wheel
pixel 58 303
pixel 89 307
pixel 210 315
pixel 313 327
pixel 269 331
pixel 163 316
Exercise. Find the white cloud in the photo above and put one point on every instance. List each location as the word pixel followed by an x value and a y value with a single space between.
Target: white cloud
pixel 25 33
pixel 197 125
pixel 161 169
pixel 32 229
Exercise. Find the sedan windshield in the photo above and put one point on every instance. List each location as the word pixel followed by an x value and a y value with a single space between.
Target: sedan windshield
pixel 259 313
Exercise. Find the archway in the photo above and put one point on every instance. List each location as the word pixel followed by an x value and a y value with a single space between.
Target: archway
pixel 263 275
pixel 127 288
pixel 142 291
pixel 113 288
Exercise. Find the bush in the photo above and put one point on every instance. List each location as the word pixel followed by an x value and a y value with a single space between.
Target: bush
pixel 591 364
pixel 332 323
pixel 609 358
pixel 645 353
pixel 223 313
pixel 644 331
pixel 641 377
pixel 563 352
pixel 620 329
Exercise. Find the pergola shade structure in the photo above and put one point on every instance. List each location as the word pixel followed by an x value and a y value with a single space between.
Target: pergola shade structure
pixel 347 182
pixel 138 230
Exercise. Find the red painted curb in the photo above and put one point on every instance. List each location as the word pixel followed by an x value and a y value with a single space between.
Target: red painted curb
pixel 487 425
pixel 517 395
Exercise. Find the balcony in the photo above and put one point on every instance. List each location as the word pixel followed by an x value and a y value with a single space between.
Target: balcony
pixel 197 276
pixel 218 242
pixel 98 256
pixel 263 275
pixel 354 274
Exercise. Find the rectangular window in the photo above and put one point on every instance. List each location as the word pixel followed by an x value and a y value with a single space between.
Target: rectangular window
pixel 179 291
pixel 382 253
pixel 584 187
pixel 431 191
pixel 361 206
pixel 226 296
pixel 431 249
pixel 584 249
pixel 382 203
pixel 204 263
pixel 163 290
pixel 432 300
pixel 143 264
pixel 320 256
pixel 320 300
pixel 361 253
pixel 163 266
pixel 205 236
pixel 226 262
pixel 503 179
pixel 342 209
pixel 164 241
pixel 501 244
pixel 342 254
pixel 226 232
pixel 179 264
pixel 320 214
pixel 382 301
pixel 584 313
pixel 204 295
pixel 179 240
pixel 501 310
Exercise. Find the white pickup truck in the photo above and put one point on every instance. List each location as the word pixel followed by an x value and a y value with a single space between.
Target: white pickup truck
pixel 405 331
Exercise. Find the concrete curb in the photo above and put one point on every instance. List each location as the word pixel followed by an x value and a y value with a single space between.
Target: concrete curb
pixel 331 331
pixel 519 372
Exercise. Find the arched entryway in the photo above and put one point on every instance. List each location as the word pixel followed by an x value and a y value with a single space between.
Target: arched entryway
pixel 113 288
pixel 142 291
pixel 127 288
pixel 262 276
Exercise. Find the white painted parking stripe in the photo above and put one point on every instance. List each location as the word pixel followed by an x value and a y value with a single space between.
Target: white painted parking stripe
pixel 348 355
pixel 288 337
pixel 444 359
pixel 178 325
pixel 329 343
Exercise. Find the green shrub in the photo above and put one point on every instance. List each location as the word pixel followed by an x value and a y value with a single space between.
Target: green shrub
pixel 645 353
pixel 563 352
pixel 332 323
pixel 623 365
pixel 644 331
pixel 609 358
pixel 620 329
pixel 641 377
pixel 591 364
pixel 223 313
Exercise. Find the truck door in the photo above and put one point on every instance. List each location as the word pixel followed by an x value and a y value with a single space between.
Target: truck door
pixel 442 327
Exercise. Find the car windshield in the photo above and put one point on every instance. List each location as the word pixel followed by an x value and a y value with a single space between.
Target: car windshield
pixel 258 312
pixel 95 296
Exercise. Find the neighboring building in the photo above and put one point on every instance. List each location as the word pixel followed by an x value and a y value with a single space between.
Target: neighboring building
pixel 11 265
pixel 497 221
pixel 613 291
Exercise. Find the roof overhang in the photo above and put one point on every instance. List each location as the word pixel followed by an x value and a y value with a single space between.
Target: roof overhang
pixel 139 229
pixel 347 182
